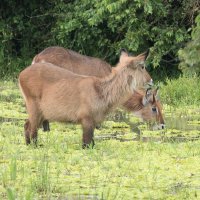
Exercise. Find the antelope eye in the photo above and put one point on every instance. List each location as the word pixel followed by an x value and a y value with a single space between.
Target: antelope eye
pixel 143 66
pixel 154 109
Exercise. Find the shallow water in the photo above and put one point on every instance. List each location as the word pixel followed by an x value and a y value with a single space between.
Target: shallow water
pixel 180 120
pixel 181 126
pixel 182 123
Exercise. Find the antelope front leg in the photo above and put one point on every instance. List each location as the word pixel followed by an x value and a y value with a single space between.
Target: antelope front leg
pixel 30 132
pixel 88 133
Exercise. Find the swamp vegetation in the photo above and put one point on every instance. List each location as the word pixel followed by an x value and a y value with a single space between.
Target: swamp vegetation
pixel 129 161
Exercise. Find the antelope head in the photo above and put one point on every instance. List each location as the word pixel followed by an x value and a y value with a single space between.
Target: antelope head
pixel 152 102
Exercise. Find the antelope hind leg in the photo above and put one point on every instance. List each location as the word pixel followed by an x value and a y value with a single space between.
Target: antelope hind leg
pixel 34 122
pixel 46 126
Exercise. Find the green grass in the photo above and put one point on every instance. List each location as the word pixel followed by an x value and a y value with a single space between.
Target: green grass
pixel 60 169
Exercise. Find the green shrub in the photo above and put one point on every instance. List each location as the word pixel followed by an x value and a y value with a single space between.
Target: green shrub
pixel 190 59
pixel 95 28
pixel 181 91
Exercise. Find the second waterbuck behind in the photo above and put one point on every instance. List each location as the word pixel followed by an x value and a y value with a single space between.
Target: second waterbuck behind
pixel 55 94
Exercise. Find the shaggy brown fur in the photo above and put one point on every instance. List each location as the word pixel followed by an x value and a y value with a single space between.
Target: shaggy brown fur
pixel 56 94
pixel 90 66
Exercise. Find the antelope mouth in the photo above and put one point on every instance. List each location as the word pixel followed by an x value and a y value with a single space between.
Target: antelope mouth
pixel 159 127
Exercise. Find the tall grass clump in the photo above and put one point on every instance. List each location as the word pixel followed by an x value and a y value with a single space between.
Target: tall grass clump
pixel 181 91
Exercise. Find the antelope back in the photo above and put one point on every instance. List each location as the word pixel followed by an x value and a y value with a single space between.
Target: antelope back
pixel 73 61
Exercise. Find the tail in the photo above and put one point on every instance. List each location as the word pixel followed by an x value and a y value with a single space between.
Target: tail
pixel 34 60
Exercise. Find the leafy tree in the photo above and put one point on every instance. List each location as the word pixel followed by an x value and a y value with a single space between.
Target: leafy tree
pixel 24 28
pixel 95 28
pixel 103 27
pixel 190 55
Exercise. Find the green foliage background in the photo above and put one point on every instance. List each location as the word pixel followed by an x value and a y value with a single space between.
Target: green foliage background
pixel 190 55
pixel 96 28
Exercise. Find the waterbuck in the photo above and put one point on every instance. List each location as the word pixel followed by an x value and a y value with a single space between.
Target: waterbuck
pixel 85 65
pixel 56 94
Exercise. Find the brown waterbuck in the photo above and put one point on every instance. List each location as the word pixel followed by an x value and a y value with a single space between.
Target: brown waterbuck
pixel 146 104
pixel 56 94
pixel 80 64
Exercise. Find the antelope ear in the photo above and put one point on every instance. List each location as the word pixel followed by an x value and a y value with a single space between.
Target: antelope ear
pixel 123 50
pixel 156 93
pixel 140 59
pixel 123 54
pixel 146 98
pixel 143 56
